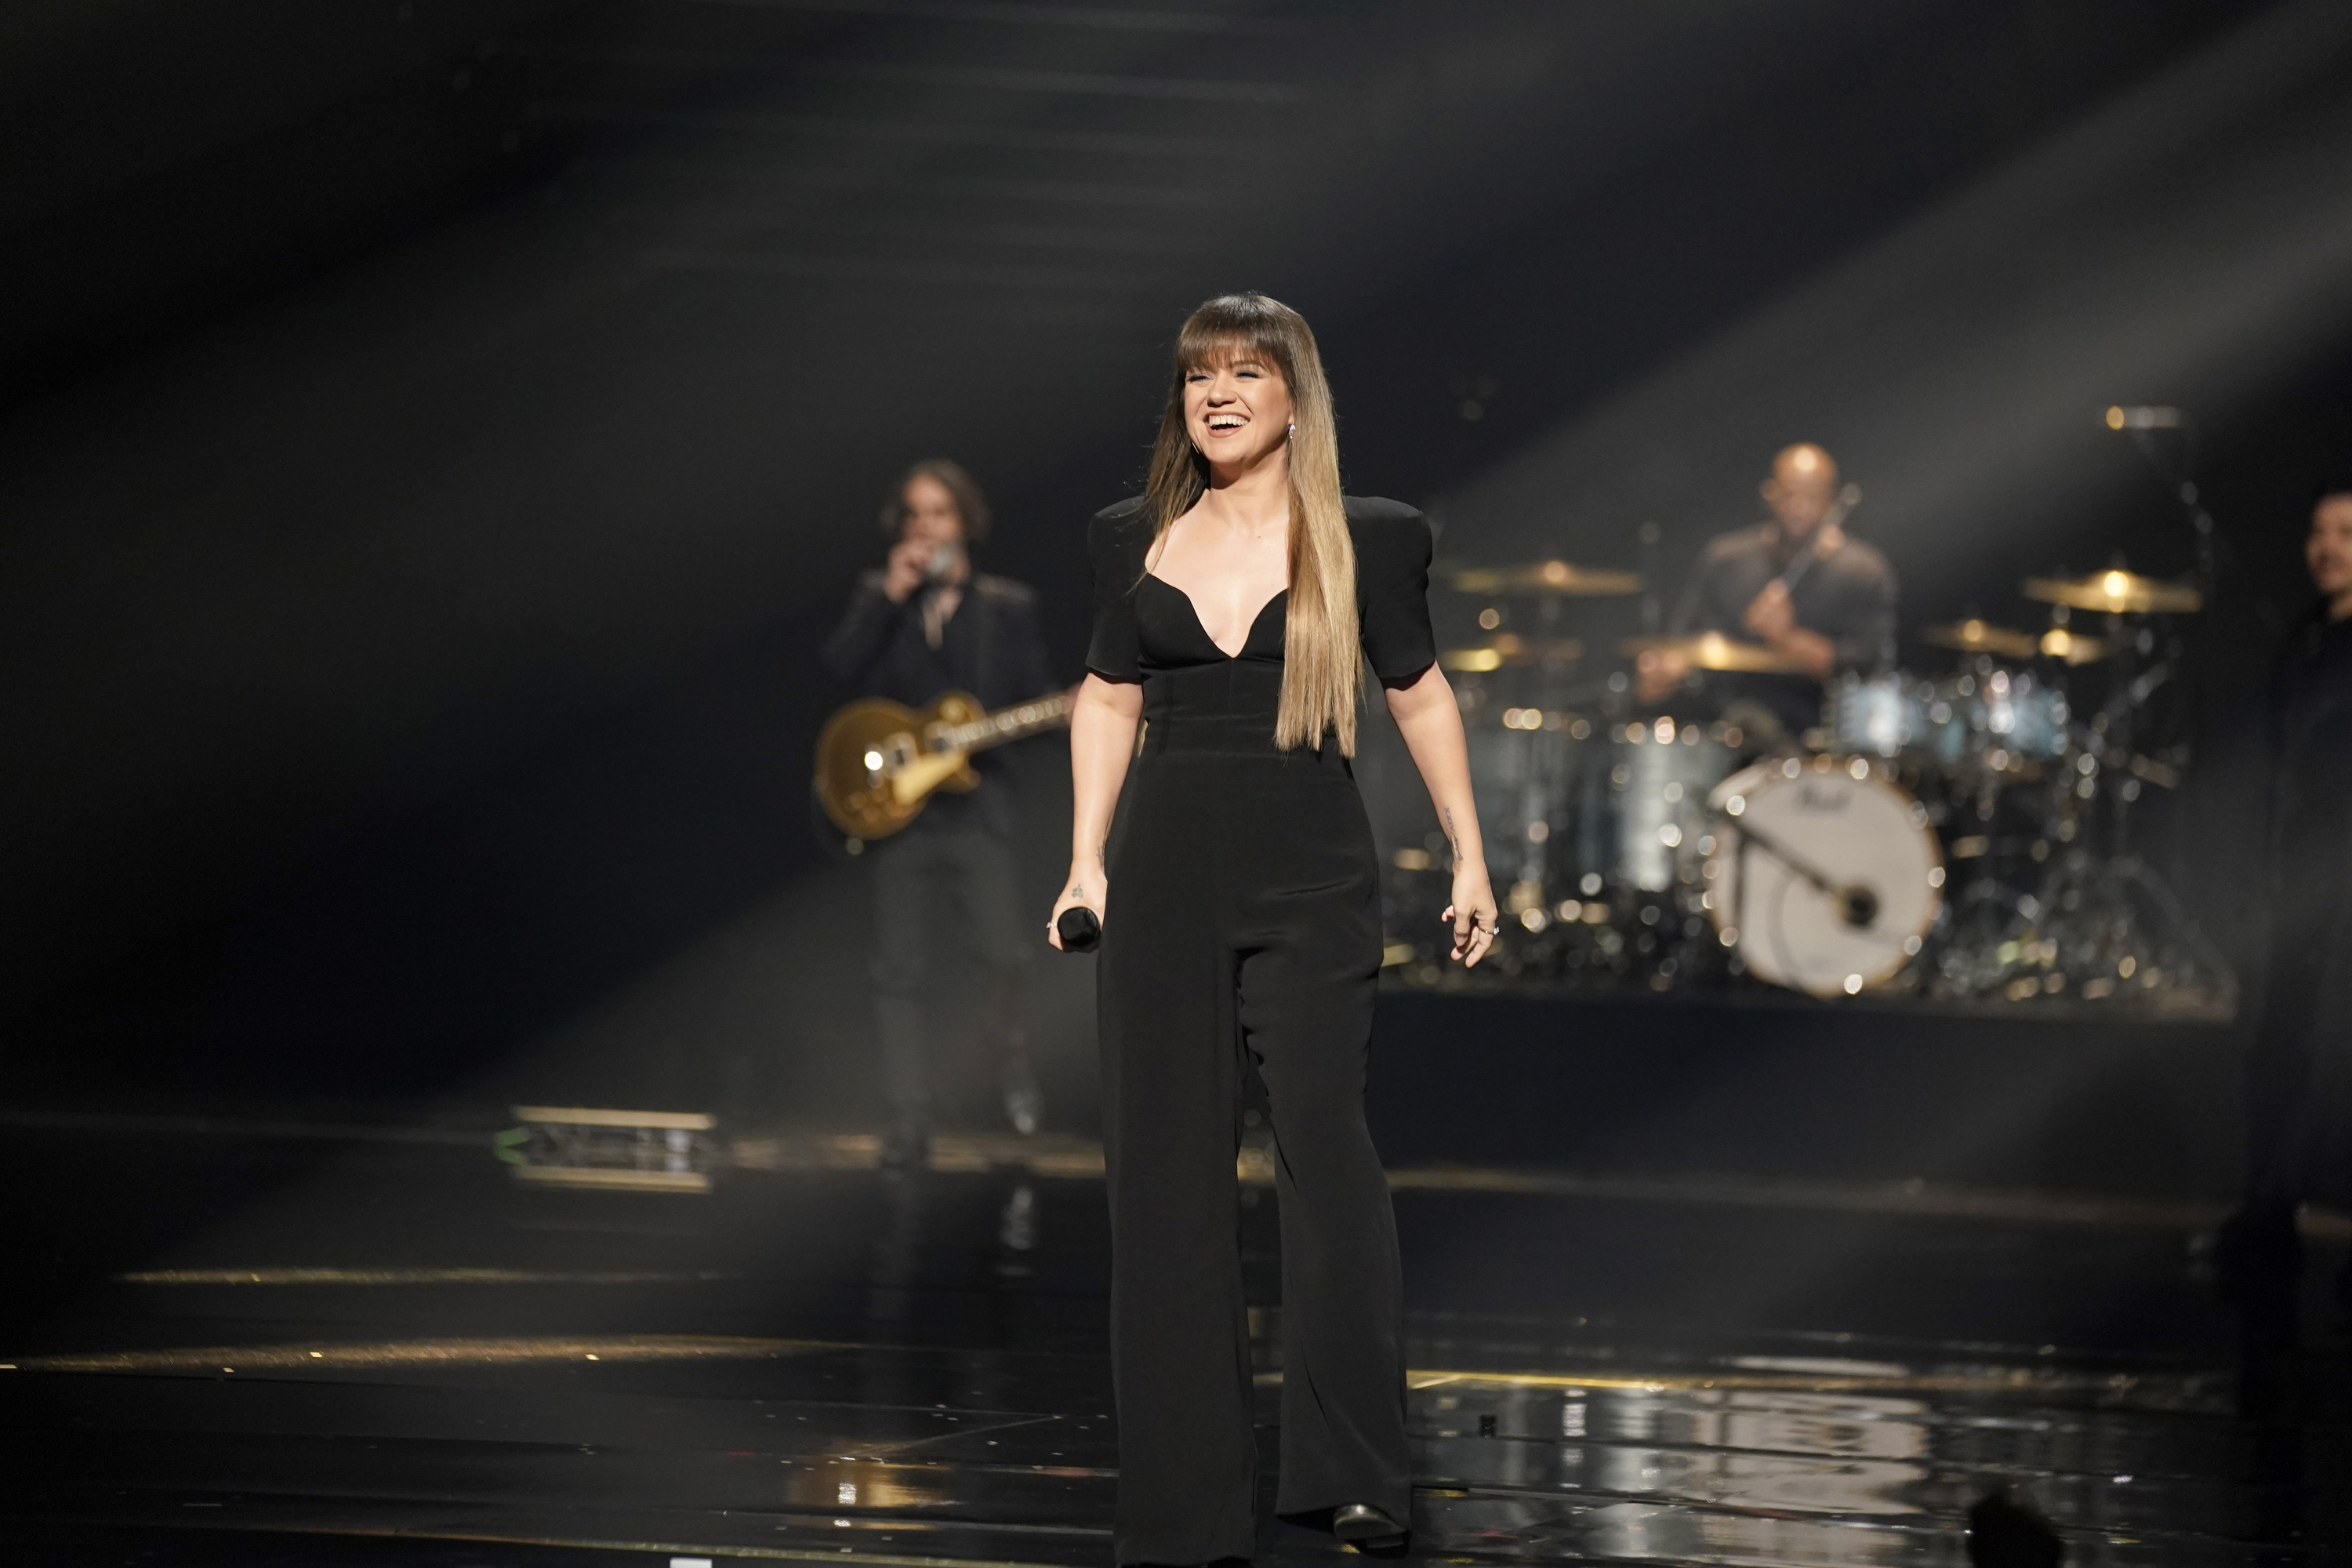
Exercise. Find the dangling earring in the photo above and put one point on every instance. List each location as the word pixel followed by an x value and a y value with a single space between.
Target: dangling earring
pixel 1291 434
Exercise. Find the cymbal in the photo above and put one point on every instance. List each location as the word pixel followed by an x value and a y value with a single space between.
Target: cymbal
pixel 1497 652
pixel 1981 637
pixel 1712 650
pixel 1544 577
pixel 2121 593
pixel 2060 643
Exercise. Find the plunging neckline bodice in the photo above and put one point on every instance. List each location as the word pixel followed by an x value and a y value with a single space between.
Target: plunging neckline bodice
pixel 1151 633
pixel 1249 633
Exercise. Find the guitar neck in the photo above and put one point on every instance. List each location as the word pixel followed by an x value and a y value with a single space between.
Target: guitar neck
pixel 1008 723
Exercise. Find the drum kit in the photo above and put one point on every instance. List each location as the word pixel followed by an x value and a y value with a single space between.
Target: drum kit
pixel 1964 835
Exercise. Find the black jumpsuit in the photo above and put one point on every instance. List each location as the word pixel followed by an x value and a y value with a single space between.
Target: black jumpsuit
pixel 1244 913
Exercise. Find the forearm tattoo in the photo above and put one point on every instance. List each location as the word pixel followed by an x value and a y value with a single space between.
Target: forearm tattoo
pixel 1079 884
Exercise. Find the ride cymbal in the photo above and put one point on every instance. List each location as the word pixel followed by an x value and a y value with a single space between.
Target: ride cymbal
pixel 2116 592
pixel 1981 637
pixel 1508 651
pixel 1544 577
pixel 1712 650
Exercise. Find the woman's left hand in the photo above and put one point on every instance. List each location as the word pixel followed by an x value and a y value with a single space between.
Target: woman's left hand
pixel 1473 913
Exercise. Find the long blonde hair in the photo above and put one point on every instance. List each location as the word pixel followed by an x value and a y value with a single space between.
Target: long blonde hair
pixel 1322 672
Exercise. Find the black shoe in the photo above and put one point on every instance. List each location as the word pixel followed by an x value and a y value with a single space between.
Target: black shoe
pixel 1367 1530
pixel 906 1146
pixel 2257 1256
pixel 2004 1535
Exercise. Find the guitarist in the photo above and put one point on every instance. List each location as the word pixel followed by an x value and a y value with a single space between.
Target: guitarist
pixel 924 625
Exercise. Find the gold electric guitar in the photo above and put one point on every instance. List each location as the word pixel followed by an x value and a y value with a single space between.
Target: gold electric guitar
pixel 878 762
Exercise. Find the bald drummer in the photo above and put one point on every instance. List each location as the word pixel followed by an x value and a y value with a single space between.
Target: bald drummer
pixel 1797 584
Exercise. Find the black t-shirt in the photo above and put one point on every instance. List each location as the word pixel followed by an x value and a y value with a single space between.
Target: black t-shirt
pixel 1847 595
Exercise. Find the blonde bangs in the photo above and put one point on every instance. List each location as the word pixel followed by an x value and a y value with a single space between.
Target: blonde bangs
pixel 1206 345
pixel 1322 676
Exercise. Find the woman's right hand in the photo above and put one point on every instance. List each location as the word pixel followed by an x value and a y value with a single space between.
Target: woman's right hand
pixel 1084 888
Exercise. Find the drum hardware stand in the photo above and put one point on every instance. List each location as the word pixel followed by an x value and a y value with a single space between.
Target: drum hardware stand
pixel 1653 615
pixel 2112 909
pixel 1546 781
pixel 2095 938
pixel 2100 919
pixel 2177 469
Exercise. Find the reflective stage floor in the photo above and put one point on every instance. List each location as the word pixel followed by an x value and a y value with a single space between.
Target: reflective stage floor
pixel 295 1343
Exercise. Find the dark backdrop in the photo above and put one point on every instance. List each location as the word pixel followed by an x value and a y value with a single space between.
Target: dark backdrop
pixel 436 435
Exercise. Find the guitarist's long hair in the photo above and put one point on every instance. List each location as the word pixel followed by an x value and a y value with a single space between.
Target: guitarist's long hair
pixel 1322 674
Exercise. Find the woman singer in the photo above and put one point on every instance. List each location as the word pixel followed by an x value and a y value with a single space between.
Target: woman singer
pixel 1236 603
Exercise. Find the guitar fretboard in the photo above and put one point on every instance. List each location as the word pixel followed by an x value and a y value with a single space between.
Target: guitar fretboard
pixel 1006 724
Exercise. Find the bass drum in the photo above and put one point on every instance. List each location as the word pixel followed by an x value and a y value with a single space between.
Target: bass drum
pixel 1824 876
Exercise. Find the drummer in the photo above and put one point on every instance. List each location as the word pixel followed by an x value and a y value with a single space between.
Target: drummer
pixel 1795 584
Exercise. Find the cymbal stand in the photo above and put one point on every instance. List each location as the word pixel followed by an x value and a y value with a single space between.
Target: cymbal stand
pixel 2175 463
pixel 2177 469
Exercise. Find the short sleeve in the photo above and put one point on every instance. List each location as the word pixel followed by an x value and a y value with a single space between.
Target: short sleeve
pixel 1112 539
pixel 1867 634
pixel 1393 550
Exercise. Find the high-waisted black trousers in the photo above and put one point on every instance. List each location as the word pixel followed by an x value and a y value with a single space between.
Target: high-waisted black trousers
pixel 1245 914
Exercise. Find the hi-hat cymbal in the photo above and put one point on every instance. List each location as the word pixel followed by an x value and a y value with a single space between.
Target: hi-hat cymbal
pixel 2120 592
pixel 1981 637
pixel 1544 577
pixel 1509 651
pixel 2060 643
pixel 1712 650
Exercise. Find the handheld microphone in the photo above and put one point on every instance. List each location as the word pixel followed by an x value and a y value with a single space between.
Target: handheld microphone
pixel 1080 930
pixel 941 563
pixel 2143 416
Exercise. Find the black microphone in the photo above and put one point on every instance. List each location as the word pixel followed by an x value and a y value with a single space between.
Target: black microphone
pixel 1080 930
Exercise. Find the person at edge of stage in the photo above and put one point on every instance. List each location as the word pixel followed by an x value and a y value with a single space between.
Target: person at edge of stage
pixel 1798 583
pixel 2298 1061
pixel 924 625
pixel 1238 887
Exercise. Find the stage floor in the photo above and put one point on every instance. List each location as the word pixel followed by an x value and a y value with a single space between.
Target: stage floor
pixel 281 1342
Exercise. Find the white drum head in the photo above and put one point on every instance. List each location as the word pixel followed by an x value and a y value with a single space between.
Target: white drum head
pixel 1840 820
